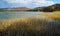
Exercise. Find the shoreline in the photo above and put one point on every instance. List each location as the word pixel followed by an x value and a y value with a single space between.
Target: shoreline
pixel 6 23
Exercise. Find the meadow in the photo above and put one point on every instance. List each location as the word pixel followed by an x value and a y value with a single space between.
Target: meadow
pixel 53 15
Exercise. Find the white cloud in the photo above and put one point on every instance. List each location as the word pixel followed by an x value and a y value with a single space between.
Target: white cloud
pixel 44 3
pixel 34 2
pixel 19 1
pixel 47 3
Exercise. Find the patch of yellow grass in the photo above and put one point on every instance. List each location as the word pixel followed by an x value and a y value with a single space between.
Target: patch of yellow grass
pixel 30 23
pixel 53 15
pixel 6 23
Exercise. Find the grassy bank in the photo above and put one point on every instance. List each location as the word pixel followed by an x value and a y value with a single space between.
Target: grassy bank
pixel 53 15
pixel 31 26
pixel 21 27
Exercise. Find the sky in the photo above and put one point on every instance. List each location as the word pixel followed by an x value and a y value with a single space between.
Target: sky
pixel 27 3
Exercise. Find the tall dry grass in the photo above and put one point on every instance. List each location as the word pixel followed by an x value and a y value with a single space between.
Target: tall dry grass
pixel 31 27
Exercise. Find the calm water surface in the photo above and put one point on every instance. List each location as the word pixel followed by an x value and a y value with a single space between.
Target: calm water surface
pixel 9 15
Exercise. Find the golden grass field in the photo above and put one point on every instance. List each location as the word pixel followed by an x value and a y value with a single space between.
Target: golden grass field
pixel 53 15
pixel 6 23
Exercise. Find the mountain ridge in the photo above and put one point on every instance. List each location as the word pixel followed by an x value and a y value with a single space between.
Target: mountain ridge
pixel 54 7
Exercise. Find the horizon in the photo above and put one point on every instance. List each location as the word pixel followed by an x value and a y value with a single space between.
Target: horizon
pixel 27 3
pixel 29 7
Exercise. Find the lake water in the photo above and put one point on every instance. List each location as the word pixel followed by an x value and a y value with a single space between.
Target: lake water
pixel 9 15
pixel 12 15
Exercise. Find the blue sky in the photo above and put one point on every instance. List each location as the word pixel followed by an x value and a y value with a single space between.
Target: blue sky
pixel 26 3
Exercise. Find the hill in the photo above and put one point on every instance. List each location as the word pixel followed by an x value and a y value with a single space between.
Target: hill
pixel 55 7
pixel 14 9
